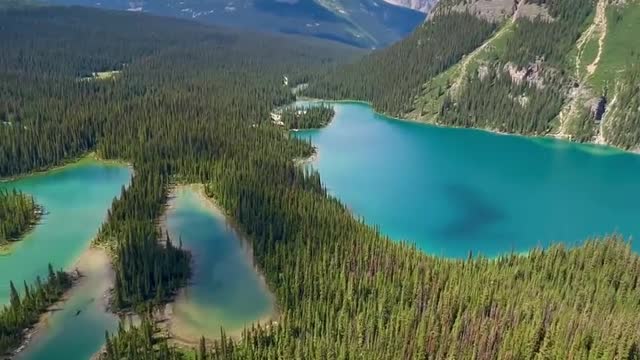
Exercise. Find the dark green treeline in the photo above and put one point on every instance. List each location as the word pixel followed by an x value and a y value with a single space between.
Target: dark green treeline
pixel 313 117
pixel 138 342
pixel 23 312
pixel 391 78
pixel 18 213
pixel 519 83
pixel 497 102
pixel 528 102
pixel 549 40
pixel 199 111
pixel 140 115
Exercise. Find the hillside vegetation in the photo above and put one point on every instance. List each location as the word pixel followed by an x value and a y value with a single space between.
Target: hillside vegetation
pixel 193 104
pixel 392 77
pixel 551 67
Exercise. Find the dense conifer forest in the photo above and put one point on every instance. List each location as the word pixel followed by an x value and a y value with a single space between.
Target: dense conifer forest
pixel 18 213
pixel 193 104
pixel 550 40
pixel 497 100
pixel 529 69
pixel 23 312
pixel 138 342
pixel 391 78
pixel 146 270
pixel 313 117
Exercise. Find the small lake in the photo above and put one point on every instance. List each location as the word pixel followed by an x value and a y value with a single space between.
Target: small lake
pixel 452 191
pixel 77 198
pixel 226 291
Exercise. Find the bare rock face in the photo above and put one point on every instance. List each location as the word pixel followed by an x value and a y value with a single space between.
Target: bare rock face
pixel 598 108
pixel 532 74
pixel 497 11
pixel 533 11
pixel 490 10
pixel 483 71
pixel 424 6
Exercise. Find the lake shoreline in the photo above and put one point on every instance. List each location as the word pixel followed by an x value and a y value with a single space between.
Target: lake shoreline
pixel 6 248
pixel 74 161
pixel 307 160
pixel 93 260
pixel 469 182
pixel 166 319
pixel 412 119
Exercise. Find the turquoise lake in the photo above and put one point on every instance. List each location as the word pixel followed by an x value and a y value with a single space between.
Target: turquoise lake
pixel 76 331
pixel 225 291
pixel 77 198
pixel 456 191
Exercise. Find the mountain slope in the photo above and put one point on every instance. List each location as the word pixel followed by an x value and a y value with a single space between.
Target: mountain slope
pixel 392 77
pixel 363 23
pixel 550 67
pixel 193 105
pixel 421 5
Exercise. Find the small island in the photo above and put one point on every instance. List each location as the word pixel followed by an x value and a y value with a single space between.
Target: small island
pixel 19 213
pixel 314 117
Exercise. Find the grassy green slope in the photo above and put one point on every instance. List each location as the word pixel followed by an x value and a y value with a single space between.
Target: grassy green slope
pixel 606 71
pixel 549 68
pixel 617 76
pixel 601 57
pixel 621 47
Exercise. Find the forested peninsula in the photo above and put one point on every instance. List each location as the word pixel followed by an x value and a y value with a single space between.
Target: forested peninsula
pixel 306 117
pixel 194 104
pixel 18 214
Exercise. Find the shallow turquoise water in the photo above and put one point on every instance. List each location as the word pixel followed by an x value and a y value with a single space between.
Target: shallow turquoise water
pixel 226 292
pixel 77 330
pixel 452 191
pixel 76 198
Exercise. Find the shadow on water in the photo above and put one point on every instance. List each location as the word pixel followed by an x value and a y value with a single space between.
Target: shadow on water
pixel 456 191
pixel 475 214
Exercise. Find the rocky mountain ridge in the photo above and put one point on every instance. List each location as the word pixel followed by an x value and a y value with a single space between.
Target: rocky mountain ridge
pixel 361 23
pixel 424 6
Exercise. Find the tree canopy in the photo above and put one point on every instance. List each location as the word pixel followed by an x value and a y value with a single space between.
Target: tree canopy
pixel 193 104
